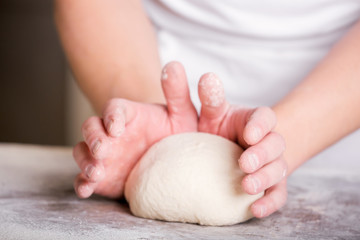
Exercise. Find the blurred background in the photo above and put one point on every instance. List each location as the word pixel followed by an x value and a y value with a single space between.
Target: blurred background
pixel 39 101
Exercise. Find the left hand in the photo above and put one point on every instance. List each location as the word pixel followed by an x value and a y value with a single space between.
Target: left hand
pixel 112 145
pixel 252 129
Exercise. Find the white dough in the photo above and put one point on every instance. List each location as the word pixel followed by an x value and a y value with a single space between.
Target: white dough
pixel 190 177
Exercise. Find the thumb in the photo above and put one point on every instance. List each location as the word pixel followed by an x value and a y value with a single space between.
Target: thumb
pixel 176 90
pixel 213 103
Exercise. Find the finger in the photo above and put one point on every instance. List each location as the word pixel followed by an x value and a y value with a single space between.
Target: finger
pixel 265 177
pixel 92 169
pixel 117 113
pixel 260 122
pixel 96 138
pixel 212 98
pixel 176 90
pixel 267 150
pixel 83 188
pixel 275 198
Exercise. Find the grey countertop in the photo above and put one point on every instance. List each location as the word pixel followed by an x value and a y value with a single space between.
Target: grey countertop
pixel 37 201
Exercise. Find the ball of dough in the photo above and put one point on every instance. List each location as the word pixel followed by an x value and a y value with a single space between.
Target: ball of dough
pixel 190 177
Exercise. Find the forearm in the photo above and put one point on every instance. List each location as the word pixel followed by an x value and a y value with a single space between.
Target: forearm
pixel 325 106
pixel 111 48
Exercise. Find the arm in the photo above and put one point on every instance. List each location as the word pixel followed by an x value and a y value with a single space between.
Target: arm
pixel 325 106
pixel 112 49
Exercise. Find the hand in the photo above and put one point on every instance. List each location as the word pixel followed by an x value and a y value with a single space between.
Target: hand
pixel 262 159
pixel 115 143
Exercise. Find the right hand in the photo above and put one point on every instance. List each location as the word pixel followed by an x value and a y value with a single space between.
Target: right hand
pixel 253 129
pixel 114 144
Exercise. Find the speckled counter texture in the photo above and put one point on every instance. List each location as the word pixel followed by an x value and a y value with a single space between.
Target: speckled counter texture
pixel 37 201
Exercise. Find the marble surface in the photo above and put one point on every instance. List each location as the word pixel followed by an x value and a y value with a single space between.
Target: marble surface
pixel 37 202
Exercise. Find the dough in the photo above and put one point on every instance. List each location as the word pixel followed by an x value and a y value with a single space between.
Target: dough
pixel 190 177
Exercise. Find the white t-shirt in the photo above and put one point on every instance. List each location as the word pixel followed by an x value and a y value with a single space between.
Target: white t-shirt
pixel 260 49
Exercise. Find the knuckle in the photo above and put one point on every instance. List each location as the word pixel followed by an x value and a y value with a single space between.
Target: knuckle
pixel 268 115
pixel 278 140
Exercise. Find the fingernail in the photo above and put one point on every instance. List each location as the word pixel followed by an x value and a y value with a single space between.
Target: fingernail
pixel 255 134
pixel 89 170
pixel 116 129
pixel 213 90
pixel 164 75
pixel 253 161
pixel 284 172
pixel 262 211
pixel 119 127
pixel 96 146
pixel 84 190
pixel 110 125
pixel 255 183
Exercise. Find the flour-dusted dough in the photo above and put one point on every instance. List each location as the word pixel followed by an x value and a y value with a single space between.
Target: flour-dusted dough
pixel 190 177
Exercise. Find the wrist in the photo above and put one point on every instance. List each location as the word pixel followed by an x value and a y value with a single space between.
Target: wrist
pixel 294 135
